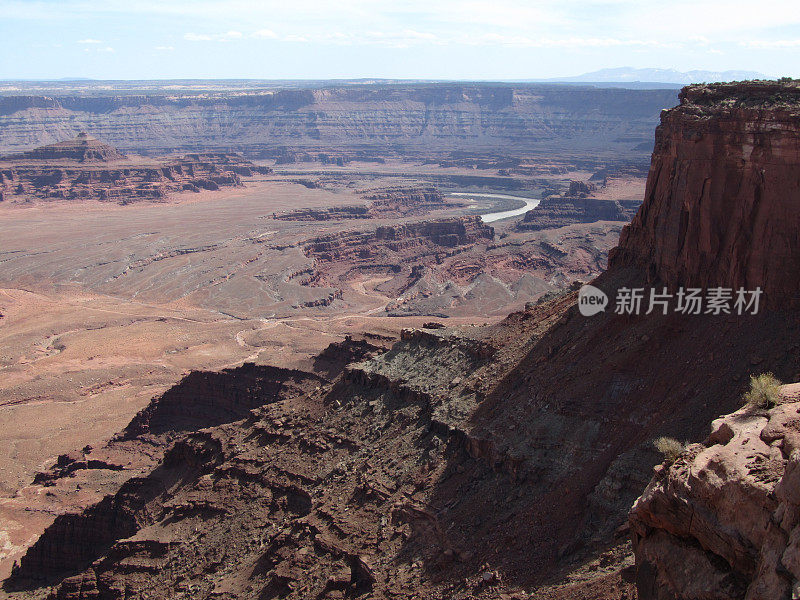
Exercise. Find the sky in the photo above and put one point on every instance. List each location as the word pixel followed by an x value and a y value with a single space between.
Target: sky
pixel 409 39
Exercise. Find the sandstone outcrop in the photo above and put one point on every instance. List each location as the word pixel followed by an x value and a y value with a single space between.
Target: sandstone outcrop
pixel 560 211
pixel 72 171
pixel 723 521
pixel 436 268
pixel 440 234
pixel 513 450
pixel 721 206
pixel 83 148
pixel 384 203
pixel 580 189
pixel 333 213
pixel 404 201
pixel 721 210
pixel 203 399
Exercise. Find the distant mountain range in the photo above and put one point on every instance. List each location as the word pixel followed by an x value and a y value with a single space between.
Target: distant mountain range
pixel 620 77
pixel 668 76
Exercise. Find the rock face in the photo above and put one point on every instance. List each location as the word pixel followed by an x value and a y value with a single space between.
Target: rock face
pixel 448 233
pixel 405 201
pixel 203 399
pixel 83 148
pixel 334 213
pixel 461 463
pixel 358 117
pixel 444 233
pixel 560 211
pixel 391 202
pixel 723 521
pixel 72 171
pixel 580 189
pixel 721 207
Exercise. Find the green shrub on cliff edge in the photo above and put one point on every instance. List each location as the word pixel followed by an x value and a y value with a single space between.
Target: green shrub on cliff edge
pixel 764 392
pixel 669 447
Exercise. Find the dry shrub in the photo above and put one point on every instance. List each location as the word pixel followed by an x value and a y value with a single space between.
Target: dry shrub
pixel 669 447
pixel 764 392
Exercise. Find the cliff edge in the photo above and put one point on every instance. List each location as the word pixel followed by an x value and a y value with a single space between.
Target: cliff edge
pixel 721 209
pixel 723 521
pixel 722 198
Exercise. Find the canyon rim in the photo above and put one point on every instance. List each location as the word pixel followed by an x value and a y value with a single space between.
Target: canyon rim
pixel 399 337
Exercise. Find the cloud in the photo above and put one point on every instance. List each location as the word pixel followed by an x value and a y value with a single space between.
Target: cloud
pixel 264 34
pixel 406 38
pixel 542 23
pixel 567 42
pixel 228 36
pixel 771 44
pixel 545 35
pixel 103 50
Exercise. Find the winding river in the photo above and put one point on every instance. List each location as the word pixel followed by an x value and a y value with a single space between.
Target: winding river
pixel 496 216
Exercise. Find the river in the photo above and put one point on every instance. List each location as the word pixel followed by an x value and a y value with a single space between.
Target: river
pixel 505 214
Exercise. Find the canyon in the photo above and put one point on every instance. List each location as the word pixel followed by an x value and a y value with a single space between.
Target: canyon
pixel 122 270
pixel 366 438
pixel 365 120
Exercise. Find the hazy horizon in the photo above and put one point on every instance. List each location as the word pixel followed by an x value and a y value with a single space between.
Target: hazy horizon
pixel 356 39
pixel 666 77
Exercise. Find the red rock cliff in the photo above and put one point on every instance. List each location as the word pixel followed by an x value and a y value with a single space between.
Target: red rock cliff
pixel 722 199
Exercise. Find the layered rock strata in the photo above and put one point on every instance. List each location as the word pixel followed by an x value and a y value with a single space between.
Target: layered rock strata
pixel 362 118
pixel 392 202
pixel 722 199
pixel 83 148
pixel 560 211
pixel 444 233
pixel 48 174
pixel 481 463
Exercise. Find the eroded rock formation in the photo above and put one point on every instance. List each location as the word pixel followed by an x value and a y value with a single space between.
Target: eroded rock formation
pixel 203 399
pixel 721 207
pixel 462 462
pixel 405 201
pixel 560 211
pixel 475 463
pixel 87 169
pixel 723 521
pixel 443 233
pixel 333 213
pixel 392 202
pixel 83 148
pixel 721 210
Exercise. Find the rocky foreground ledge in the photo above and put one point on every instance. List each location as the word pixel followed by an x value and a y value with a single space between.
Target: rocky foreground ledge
pixel 723 521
